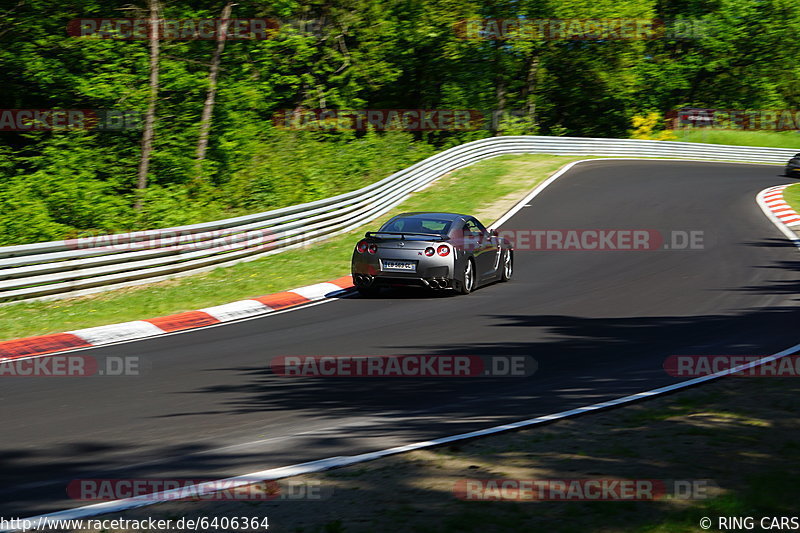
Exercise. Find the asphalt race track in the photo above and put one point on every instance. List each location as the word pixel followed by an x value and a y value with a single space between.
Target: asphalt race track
pixel 600 325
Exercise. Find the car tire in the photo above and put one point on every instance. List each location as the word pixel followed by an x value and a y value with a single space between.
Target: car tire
pixel 507 270
pixel 468 278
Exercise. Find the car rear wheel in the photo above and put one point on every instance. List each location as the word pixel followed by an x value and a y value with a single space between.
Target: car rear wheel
pixel 508 266
pixel 469 278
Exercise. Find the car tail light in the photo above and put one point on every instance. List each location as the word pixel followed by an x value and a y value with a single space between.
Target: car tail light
pixel 373 249
pixel 443 250
pixel 429 251
pixel 361 247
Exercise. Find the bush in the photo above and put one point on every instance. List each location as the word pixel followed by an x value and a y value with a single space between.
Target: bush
pixel 75 185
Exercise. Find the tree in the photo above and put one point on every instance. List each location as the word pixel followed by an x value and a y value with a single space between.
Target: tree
pixel 208 105
pixel 150 117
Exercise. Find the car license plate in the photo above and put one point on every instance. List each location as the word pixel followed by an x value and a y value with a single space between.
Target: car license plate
pixel 399 265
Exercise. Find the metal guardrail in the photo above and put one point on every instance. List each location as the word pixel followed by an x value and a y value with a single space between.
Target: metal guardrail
pixel 74 267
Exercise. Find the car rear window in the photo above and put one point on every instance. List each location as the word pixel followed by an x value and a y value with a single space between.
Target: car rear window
pixel 418 225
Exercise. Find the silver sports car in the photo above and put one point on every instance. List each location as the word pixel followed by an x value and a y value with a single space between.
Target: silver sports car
pixel 441 251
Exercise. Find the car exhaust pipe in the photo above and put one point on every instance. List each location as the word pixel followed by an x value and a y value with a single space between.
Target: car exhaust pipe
pixel 362 280
pixel 436 283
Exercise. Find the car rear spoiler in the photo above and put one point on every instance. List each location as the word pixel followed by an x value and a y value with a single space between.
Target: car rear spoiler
pixel 404 233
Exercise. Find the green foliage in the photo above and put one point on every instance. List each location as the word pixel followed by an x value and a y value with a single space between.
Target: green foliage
pixel 647 127
pixel 294 167
pixel 510 175
pixel 349 54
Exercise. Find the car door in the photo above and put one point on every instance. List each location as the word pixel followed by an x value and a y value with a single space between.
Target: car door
pixel 484 246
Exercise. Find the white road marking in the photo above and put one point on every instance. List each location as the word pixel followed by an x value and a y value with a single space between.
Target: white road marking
pixel 341 461
pixel 112 333
pixel 237 310
pixel 328 463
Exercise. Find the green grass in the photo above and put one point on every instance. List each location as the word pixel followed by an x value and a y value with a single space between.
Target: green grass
pixel 466 191
pixel 792 196
pixel 681 407
pixel 771 493
pixel 772 139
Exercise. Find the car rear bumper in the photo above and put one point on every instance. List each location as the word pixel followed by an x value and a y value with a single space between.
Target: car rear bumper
pixel 434 282
pixel 431 274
